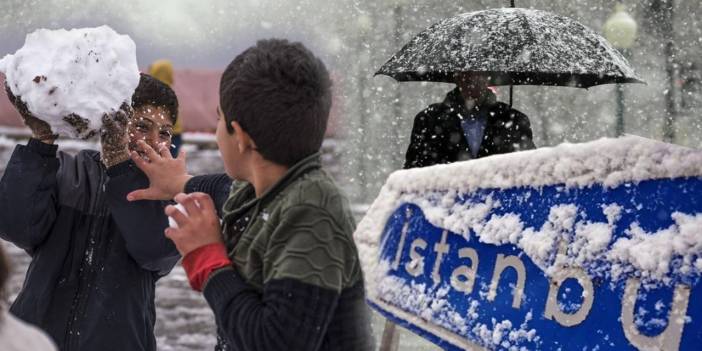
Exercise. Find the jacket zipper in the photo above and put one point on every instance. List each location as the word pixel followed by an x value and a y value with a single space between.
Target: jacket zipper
pixel 87 266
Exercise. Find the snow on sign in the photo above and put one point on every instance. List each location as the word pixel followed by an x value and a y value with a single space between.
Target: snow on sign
pixel 594 246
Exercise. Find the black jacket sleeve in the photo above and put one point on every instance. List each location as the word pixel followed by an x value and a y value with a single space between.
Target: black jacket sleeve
pixel 290 315
pixel 422 144
pixel 525 135
pixel 28 195
pixel 217 186
pixel 141 223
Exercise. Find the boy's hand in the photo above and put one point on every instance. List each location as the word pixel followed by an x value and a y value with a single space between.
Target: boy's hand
pixel 40 129
pixel 167 175
pixel 113 137
pixel 199 227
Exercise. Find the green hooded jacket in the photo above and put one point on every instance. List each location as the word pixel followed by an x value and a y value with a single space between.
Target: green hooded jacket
pixel 296 281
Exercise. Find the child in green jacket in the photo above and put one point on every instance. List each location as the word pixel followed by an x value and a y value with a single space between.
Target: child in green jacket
pixel 282 271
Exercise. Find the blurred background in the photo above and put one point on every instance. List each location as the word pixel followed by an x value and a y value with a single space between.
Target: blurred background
pixel 372 116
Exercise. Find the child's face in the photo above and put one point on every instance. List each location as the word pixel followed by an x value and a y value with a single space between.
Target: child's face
pixel 151 124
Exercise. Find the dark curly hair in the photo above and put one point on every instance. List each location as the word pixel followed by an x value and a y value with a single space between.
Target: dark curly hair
pixel 280 94
pixel 152 91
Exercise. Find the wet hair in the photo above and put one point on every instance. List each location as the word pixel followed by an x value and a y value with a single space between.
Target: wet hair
pixel 280 94
pixel 153 92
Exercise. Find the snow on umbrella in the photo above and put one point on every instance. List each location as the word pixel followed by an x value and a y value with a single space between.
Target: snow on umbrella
pixel 512 46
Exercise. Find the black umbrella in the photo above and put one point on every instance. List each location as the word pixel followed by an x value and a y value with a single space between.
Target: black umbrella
pixel 512 46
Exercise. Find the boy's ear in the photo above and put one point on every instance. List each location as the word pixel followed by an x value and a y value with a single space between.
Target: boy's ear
pixel 244 141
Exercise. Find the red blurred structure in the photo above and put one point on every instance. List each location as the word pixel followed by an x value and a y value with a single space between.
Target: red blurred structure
pixel 198 96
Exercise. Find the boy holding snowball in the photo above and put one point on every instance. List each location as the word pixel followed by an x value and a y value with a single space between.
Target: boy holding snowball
pixel 95 257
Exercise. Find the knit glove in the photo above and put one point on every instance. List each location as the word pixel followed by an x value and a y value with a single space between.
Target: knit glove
pixel 113 136
pixel 40 129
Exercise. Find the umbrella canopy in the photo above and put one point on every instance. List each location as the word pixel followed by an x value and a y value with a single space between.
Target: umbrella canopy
pixel 512 46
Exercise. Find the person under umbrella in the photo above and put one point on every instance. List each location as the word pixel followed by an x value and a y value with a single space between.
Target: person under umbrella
pixel 506 46
pixel 470 123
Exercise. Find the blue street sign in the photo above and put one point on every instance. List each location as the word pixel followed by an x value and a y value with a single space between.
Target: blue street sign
pixel 461 293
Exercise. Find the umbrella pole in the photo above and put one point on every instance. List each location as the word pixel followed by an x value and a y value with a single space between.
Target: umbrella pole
pixel 511 87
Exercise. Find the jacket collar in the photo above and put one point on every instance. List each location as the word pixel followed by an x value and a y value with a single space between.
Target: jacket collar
pixel 244 197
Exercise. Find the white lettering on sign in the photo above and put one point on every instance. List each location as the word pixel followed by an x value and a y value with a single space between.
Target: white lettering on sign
pixel 465 285
pixel 415 267
pixel 669 339
pixel 463 279
pixel 403 236
pixel 501 264
pixel 441 249
pixel 553 311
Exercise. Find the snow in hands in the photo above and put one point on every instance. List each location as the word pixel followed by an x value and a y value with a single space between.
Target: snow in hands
pixel 71 78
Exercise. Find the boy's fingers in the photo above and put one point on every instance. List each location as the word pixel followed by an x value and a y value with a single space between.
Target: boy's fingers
pixel 139 161
pixel 179 217
pixel 205 202
pixel 163 151
pixel 188 203
pixel 170 232
pixel 150 152
pixel 143 194
pixel 180 197
pixel 135 195
pixel 181 155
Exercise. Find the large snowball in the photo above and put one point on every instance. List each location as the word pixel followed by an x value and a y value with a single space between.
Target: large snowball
pixel 71 78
